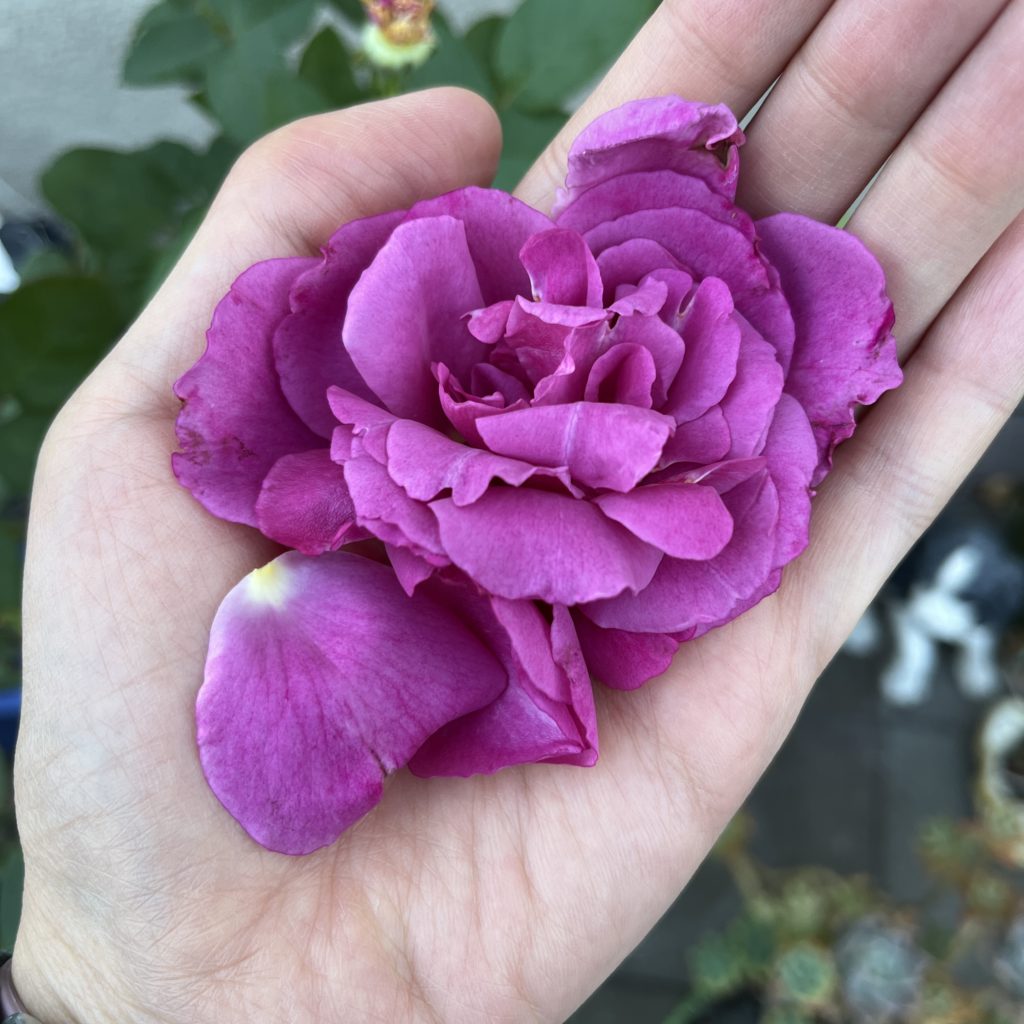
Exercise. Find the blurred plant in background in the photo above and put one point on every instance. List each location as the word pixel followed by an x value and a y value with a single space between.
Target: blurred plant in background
pixel 815 947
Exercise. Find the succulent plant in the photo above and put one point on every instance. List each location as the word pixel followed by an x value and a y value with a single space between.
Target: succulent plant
pixel 806 975
pixel 882 971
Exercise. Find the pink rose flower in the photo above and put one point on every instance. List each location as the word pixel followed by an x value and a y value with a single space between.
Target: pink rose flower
pixel 580 441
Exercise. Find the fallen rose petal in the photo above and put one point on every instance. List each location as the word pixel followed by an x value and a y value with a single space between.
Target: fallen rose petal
pixel 323 677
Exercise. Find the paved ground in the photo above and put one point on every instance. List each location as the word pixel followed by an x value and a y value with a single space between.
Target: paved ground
pixel 850 790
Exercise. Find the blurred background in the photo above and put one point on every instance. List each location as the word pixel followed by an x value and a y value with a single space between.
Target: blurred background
pixel 877 873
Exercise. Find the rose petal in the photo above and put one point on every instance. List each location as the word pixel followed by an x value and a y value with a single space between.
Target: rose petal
pixel 545 714
pixel 752 396
pixel 304 503
pixel 845 353
pixel 621 660
pixel 664 344
pixel 383 508
pixel 625 374
pixel 406 313
pixel 710 248
pixel 612 446
pixel 792 456
pixel 497 225
pixel 323 678
pixel 646 298
pixel 529 544
pixel 666 133
pixel 683 520
pixel 308 352
pixel 562 269
pixel 703 440
pixel 685 593
pixel 632 261
pixel 236 423
pixel 425 463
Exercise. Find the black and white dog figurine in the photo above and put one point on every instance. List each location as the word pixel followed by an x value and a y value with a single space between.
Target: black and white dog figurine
pixel 960 586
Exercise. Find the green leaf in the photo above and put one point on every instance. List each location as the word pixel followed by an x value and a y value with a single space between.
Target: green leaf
pixel 524 139
pixel 171 48
pixel 12 554
pixel 352 9
pixel 52 333
pixel 482 39
pixel 251 91
pixel 325 65
pixel 12 881
pixel 453 62
pixel 283 20
pixel 20 439
pixel 549 49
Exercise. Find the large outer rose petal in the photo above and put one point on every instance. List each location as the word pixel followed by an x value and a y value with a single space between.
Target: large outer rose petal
pixel 545 714
pixel 710 248
pixel 683 520
pixel 236 422
pixel 322 678
pixel 750 402
pixel 304 503
pixel 845 352
pixel 562 269
pixel 425 462
pixel 602 445
pixel 308 351
pixel 685 593
pixel 406 313
pixel 529 544
pixel 649 190
pixel 621 660
pixel 666 133
pixel 497 225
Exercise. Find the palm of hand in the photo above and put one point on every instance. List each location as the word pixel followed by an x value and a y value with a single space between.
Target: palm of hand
pixel 497 898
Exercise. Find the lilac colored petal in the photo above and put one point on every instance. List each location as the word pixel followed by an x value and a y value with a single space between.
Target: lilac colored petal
pixel 383 508
pixel 709 248
pixel 305 504
pixel 526 315
pixel 650 190
pixel 425 463
pixel 646 299
pixel 683 520
pixel 679 286
pixel 489 324
pixel 845 353
pixel 497 226
pixel 711 335
pixel 613 446
pixel 664 344
pixel 625 374
pixel 562 269
pixel 463 412
pixel 723 476
pixel 665 133
pixel 357 412
pixel 567 382
pixel 685 593
pixel 703 440
pixel 297 727
pixel 545 714
pixel 632 260
pixel 308 351
pixel 410 569
pixel 792 456
pixel 236 423
pixel 621 660
pixel 486 379
pixel 753 394
pixel 529 544
pixel 407 312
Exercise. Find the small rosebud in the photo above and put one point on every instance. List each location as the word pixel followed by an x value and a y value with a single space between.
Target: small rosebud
pixel 398 33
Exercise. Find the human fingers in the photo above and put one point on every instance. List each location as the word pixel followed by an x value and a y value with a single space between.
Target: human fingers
pixel 847 98
pixel 715 51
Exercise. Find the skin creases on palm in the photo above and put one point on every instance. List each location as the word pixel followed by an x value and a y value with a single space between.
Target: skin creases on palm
pixel 505 897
